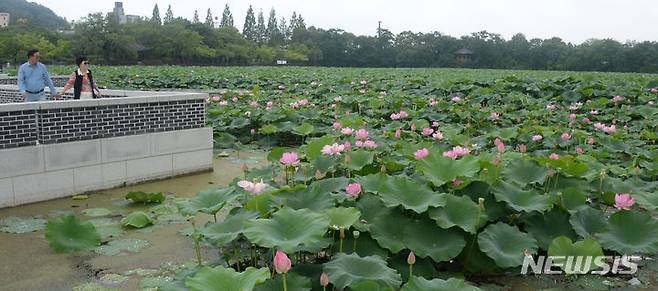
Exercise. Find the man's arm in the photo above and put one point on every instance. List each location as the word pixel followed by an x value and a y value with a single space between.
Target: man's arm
pixel 49 82
pixel 21 81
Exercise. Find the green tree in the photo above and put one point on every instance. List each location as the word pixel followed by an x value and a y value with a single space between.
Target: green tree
pixel 196 17
pixel 169 16
pixel 156 15
pixel 261 31
pixel 227 18
pixel 209 21
pixel 249 29
pixel 273 35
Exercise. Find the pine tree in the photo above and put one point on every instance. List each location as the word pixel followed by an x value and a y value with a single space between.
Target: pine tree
pixel 169 16
pixel 261 32
pixel 293 21
pixel 300 22
pixel 156 15
pixel 195 20
pixel 284 30
pixel 249 29
pixel 227 17
pixel 272 28
pixel 209 20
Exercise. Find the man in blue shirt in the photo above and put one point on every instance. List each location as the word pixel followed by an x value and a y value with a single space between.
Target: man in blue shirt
pixel 32 77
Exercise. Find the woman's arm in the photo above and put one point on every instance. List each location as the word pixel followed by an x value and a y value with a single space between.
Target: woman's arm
pixel 68 85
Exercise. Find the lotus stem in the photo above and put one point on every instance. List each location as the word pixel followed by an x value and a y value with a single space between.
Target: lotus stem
pixel 411 271
pixel 235 255
pixel 285 284
pixel 342 238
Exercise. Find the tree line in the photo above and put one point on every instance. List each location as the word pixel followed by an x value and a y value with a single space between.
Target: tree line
pixel 216 41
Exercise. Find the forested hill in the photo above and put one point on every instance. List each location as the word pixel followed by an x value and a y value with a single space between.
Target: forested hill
pixel 23 12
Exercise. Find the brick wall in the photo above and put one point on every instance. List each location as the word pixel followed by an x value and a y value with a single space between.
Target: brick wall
pixel 13 96
pixel 24 124
pixel 18 128
pixel 59 81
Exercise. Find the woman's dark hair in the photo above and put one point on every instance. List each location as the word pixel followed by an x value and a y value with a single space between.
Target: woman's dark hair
pixel 31 52
pixel 80 59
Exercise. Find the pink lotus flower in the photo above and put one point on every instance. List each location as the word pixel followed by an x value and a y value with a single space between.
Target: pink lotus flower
pixel 565 136
pixel 579 150
pixel 500 146
pixel 554 156
pixel 550 107
pixel 269 104
pixel 433 103
pixel 302 102
pixel 397 133
pixel 223 103
pixel 289 159
pixel 572 116
pixel 353 190
pixel 421 153
pixel 362 134
pixel 494 115
pixel 590 140
pixel 334 149
pixel 599 126
pixel 585 120
pixel 234 99
pixel 610 129
pixel 435 124
pixel 253 187
pixel 617 99
pixel 395 116
pixel 282 263
pixel 411 258
pixel 521 148
pixel 253 104
pixel 427 131
pixel 456 99
pixel 437 135
pixel 623 201
pixel 337 125
pixel 413 127
pixel 358 144
pixel 370 144
pixel 403 114
pixel 593 112
pixel 653 90
pixel 537 137
pixel 253 131
pixel 456 182
pixel 324 279
pixel 456 152
pixel 347 131
pixel 216 98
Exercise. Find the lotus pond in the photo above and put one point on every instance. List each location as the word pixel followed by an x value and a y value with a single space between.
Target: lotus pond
pixel 372 179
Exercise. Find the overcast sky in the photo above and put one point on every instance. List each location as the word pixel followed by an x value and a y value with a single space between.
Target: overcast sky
pixel 572 20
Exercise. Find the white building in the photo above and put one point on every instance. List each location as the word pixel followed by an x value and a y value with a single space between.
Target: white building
pixel 4 19
pixel 121 16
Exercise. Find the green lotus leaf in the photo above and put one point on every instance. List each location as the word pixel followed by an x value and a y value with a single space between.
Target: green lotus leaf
pixel 107 227
pixel 562 246
pixel 287 229
pixel 67 234
pixel 372 183
pixel 459 211
pixel 239 122
pixel 210 202
pixel 144 197
pixel 587 221
pixel 440 170
pixel 522 200
pixel 573 199
pixel 314 147
pixel 525 172
pixel 313 198
pixel 347 270
pixel 303 129
pixel 400 190
pixel 295 283
pixel 452 284
pixel 388 229
pixel 224 232
pixel 120 247
pixel 267 129
pixel 96 212
pixel 369 286
pixel 630 232
pixel 506 244
pixel 647 200
pixel 137 219
pixel 341 217
pixel 359 159
pixel 544 228
pixel 164 209
pixel 18 225
pixel 474 260
pixel 226 279
pixel 426 239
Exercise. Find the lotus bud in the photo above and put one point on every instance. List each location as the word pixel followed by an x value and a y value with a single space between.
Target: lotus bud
pixel 318 174
pixel 382 169
pixel 282 263
pixel 356 234
pixel 324 279
pixel 411 259
pixel 481 203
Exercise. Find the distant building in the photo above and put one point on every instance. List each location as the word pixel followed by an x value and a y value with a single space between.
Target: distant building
pixel 120 16
pixel 463 55
pixel 4 19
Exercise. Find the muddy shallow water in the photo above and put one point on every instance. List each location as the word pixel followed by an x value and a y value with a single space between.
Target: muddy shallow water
pixel 27 263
